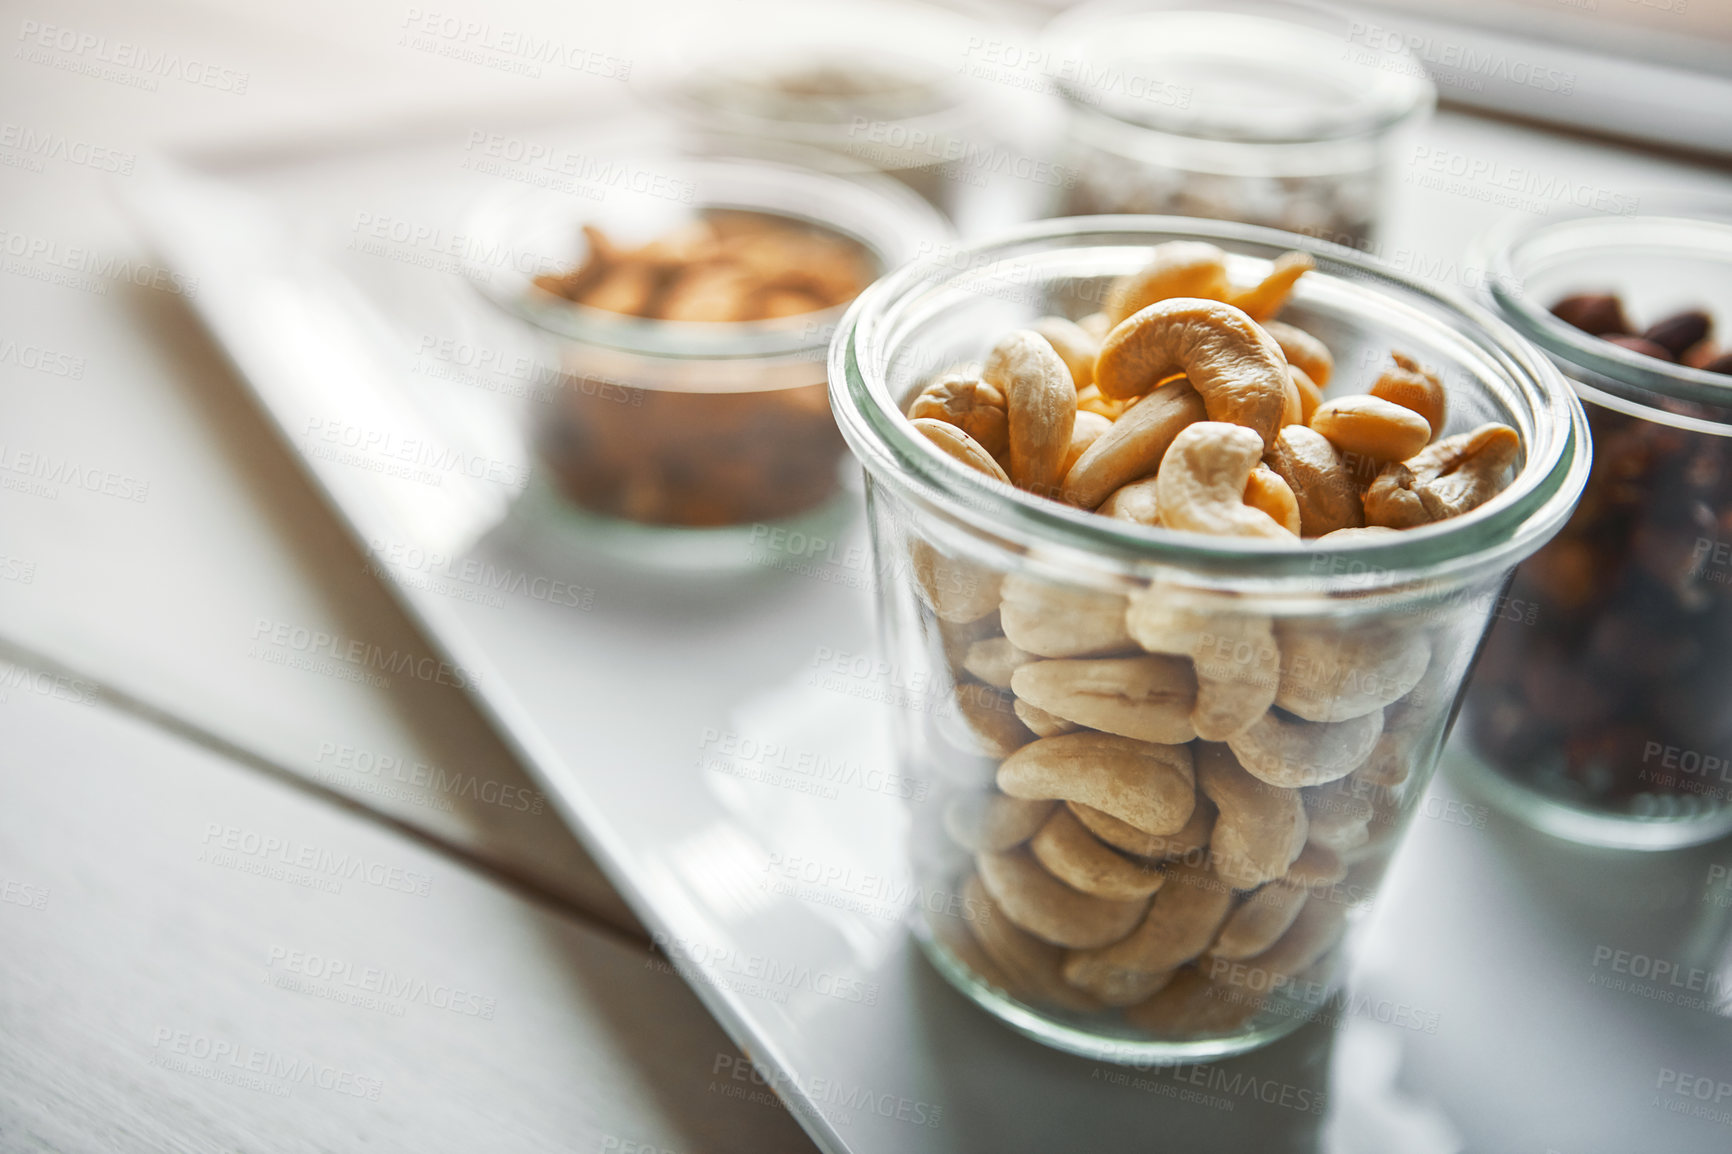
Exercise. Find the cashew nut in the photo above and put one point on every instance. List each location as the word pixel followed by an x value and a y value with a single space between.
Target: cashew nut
pixel 1371 428
pixel 1148 698
pixel 1193 1005
pixel 1290 753
pixel 994 659
pixel 1096 325
pixel 1089 428
pixel 1185 917
pixel 1112 985
pixel 1201 485
pixel 1261 828
pixel 1034 900
pixel 1041 722
pixel 1074 346
pixel 1151 787
pixel 958 445
pixel 1031 965
pixel 1267 490
pixel 1265 298
pixel 1413 386
pixel 1233 654
pixel 1179 268
pixel 1321 485
pixel 1333 671
pixel 1259 921
pixel 970 404
pixel 1339 820
pixel 1310 394
pixel 1314 932
pixel 956 591
pixel 1089 400
pixel 1234 365
pixel 1040 404
pixel 1316 868
pixel 1061 621
pixel 1133 502
pixel 1303 351
pixel 1187 843
pixel 988 821
pixel 1444 480
pixel 1073 856
pixel 989 725
pixel 1135 446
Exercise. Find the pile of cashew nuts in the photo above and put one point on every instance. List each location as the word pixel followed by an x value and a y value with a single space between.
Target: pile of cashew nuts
pixel 1163 803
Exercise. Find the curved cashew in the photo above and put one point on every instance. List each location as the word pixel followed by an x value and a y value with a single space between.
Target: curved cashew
pixel 994 659
pixel 1358 533
pixel 1391 761
pixel 1310 394
pixel 1185 917
pixel 1034 900
pixel 989 725
pixel 1089 400
pixel 1444 480
pixel 1265 298
pixel 1073 856
pixel 1089 428
pixel 1148 698
pixel 1314 932
pixel 1293 754
pixel 1061 621
pixel 1202 483
pixel 1232 653
pixel 1259 921
pixel 1321 485
pixel 1074 346
pixel 1303 351
pixel 1040 407
pixel 970 404
pixel 1041 722
pixel 1234 365
pixel 1179 268
pixel 1192 1005
pixel 1340 820
pixel 1096 325
pixel 988 821
pixel 1187 844
pixel 1316 868
pixel 1413 386
pixel 1293 408
pixel 1133 502
pixel 1033 966
pixel 1370 427
pixel 1261 828
pixel 1134 447
pixel 1265 489
pixel 957 591
pixel 1112 985
pixel 957 444
pixel 1151 787
pixel 1335 671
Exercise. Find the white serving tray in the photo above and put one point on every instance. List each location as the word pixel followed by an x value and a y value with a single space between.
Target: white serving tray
pixel 722 746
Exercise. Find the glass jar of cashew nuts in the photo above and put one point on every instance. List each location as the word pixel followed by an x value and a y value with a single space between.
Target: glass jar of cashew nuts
pixel 1194 589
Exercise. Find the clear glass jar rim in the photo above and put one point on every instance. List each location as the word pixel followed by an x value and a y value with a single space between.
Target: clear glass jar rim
pixel 1493 537
pixel 1627 371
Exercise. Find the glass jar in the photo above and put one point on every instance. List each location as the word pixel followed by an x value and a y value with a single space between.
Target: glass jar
pixel 687 425
pixel 1254 880
pixel 1602 708
pixel 1272 113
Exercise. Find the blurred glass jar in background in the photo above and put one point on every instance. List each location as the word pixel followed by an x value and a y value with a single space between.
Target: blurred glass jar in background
pixel 1601 709
pixel 688 313
pixel 1251 110
pixel 889 85
pixel 1090 873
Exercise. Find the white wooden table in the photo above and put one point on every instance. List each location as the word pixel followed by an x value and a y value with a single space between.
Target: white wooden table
pixel 173 974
